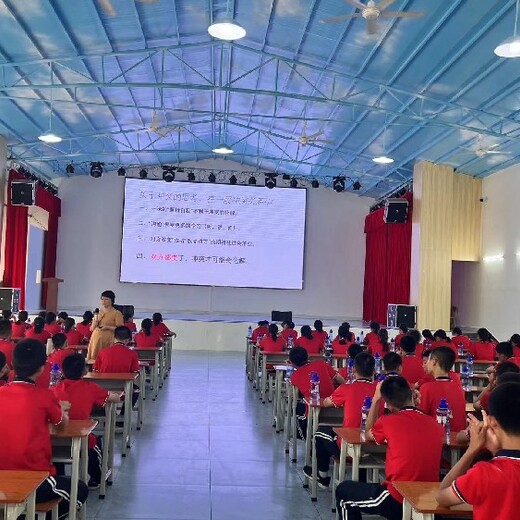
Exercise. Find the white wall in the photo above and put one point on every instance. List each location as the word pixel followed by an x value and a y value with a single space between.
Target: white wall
pixel 89 247
pixel 487 294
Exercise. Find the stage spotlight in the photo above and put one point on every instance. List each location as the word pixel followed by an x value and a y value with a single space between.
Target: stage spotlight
pixel 143 173
pixel 211 177
pixel 315 184
pixel 70 169
pixel 96 169
pixel 338 184
pixel 356 186
pixel 121 172
pixel 191 176
pixel 286 177
pixel 168 174
pixel 270 180
pixel 293 183
pixel 252 181
pixel 233 179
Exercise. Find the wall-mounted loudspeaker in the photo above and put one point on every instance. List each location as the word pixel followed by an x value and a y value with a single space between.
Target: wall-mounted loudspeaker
pixel 396 211
pixel 23 193
pixel 281 316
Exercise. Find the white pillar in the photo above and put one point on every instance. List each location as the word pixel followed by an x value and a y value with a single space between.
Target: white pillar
pixel 3 199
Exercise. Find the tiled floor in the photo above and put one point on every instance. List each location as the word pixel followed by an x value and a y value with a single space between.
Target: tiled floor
pixel 207 451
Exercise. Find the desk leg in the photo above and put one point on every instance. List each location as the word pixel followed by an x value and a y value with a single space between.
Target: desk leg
pixel 140 402
pixel 277 407
pixel 263 380
pixel 308 440
pixel 355 450
pixel 407 510
pixel 294 425
pixel 111 441
pixel 342 461
pixel 13 511
pixel 127 426
pixel 288 417
pixel 74 479
pixel 161 368
pixel 83 471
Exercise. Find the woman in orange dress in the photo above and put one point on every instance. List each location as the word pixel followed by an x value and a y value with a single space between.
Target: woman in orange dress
pixel 103 325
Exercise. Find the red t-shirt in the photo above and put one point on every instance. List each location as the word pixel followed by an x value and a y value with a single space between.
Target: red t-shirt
pixel 427 378
pixel 42 336
pixel 445 388
pixel 18 331
pixel 397 340
pixel 376 347
pixel 82 395
pixel 117 359
pixel 130 325
pixel 412 369
pixel 492 488
pixel 437 344
pixel 414 447
pixel 466 342
pixel 58 356
pixel 84 329
pixel 268 345
pixel 162 330
pixel 7 348
pixel 74 337
pixel 27 412
pixel 53 328
pixel 350 396
pixel 289 332
pixel 322 336
pixel 419 349
pixel 301 378
pixel 484 350
pixel 312 346
pixel 338 348
pixel 370 338
pixel 144 341
pixel 259 331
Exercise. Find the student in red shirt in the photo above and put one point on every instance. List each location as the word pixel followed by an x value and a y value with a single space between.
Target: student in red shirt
pixel 428 339
pixel 61 350
pixel 271 342
pixel 129 322
pixel 350 397
pixel 373 335
pixel 502 368
pixel 428 378
pixel 261 330
pixel 21 325
pixel 160 328
pixel 352 352
pixel 419 347
pixel 484 348
pixel 458 338
pixel 380 346
pixel 288 330
pixel 74 337
pixel 62 316
pixel 413 369
pixel 442 340
pixel 145 338
pixel 319 333
pixel 27 411
pixel 83 396
pixel 309 341
pixel 403 330
pixel 492 488
pixel 343 340
pixel 515 341
pixel 38 331
pixel 439 364
pixel 414 446
pixel 4 370
pixel 51 325
pixel 6 345
pixel 83 327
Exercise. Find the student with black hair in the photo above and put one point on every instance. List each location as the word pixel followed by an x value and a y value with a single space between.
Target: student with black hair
pixel 61 350
pixel 506 367
pixel 392 365
pixel 7 314
pixel 381 345
pixel 27 412
pixel 439 365
pixel 309 341
pixel 343 340
pixel 428 338
pixel 62 316
pixel 484 348
pixel 350 397
pixel 4 369
pixel 160 328
pixel 412 364
pixel 414 445
pixel 83 327
pixel 289 331
pixel 74 337
pixel 272 342
pixel 419 347
pixel 492 488
pixel 403 330
pixel 319 333
pixel 442 340
pixel 457 338
pixel 6 345
pixel 128 321
pixel 145 338
pixel 38 331
pixel 504 351
pixel 260 331
pixel 51 325
pixel 515 341
pixel 20 326
pixel 373 335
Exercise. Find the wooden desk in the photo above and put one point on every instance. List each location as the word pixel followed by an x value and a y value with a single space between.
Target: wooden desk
pixel 420 502
pixel 153 354
pixel 119 382
pixel 75 434
pixel 18 491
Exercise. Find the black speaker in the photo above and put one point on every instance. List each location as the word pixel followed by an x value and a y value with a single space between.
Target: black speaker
pixel 281 316
pixel 23 193
pixel 9 299
pixel 401 314
pixel 396 211
pixel 125 309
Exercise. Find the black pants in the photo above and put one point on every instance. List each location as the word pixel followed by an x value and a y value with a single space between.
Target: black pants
pixel 326 446
pixel 301 421
pixel 354 498
pixel 95 459
pixel 135 397
pixel 59 487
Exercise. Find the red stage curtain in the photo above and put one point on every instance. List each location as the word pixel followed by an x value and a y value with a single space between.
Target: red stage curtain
pixel 387 264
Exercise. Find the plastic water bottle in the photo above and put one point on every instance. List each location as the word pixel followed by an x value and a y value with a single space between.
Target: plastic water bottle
pixel 377 357
pixel 466 380
pixel 367 403
pixel 361 338
pixel 327 354
pixel 331 336
pixel 289 372
pixel 350 370
pixel 249 332
pixel 55 375
pixel 290 343
pixel 443 414
pixel 259 340
pixel 461 349
pixel 315 389
pixel 392 345
pixel 469 363
pixel 49 347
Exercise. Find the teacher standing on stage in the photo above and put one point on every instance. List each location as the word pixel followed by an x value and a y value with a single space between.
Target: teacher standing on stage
pixel 103 325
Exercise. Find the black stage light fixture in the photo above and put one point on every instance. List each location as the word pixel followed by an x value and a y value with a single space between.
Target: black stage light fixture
pixel 191 176
pixel 294 183
pixel 270 180
pixel 168 173
pixel 96 169
pixel 121 172
pixel 286 177
pixel 233 179
pixel 252 181
pixel 143 173
pixel 315 184
pixel 70 169
pixel 338 184
pixel 211 177
pixel 356 186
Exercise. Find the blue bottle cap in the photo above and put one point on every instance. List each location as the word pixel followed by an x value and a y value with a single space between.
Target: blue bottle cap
pixel 367 403
pixel 444 403
pixel 315 378
pixel 377 356
pixel 55 366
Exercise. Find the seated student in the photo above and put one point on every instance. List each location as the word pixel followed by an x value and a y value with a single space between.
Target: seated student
pixel 20 326
pixel 392 365
pixel 427 378
pixel 350 397
pixel 502 368
pixel 484 348
pixel 28 445
pixel 442 340
pixel 288 331
pixel 403 331
pixel 343 340
pixel 413 369
pixel 492 488
pixel 271 342
pixel 373 335
pixel 83 327
pixel 381 345
pixel 145 338
pixel 309 341
pixel 129 322
pixel 51 324
pixel 160 328
pixel 429 339
pixel 504 351
pixel 83 396
pixel 414 450
pixel 38 331
pixel 74 337
pixel 6 345
pixel 7 314
pixel 439 364
pixel 458 338
pixel 352 352
pixel 62 316
pixel 299 359
pixel 515 341
pixel 4 369
pixel 260 331
pixel 61 350
pixel 419 347
pixel 319 333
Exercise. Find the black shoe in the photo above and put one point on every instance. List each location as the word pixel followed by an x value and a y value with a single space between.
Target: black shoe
pixel 323 482
pixel 92 484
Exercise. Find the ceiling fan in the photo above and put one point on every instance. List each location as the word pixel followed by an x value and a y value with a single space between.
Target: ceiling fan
pixel 107 6
pixel 159 129
pixel 371 12
pixel 305 139
pixel 481 152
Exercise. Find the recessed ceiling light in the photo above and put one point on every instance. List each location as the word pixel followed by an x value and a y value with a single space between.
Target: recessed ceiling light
pixel 49 137
pixel 383 159
pixel 226 29
pixel 223 149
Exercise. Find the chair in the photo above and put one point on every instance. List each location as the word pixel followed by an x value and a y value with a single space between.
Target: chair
pixel 44 507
